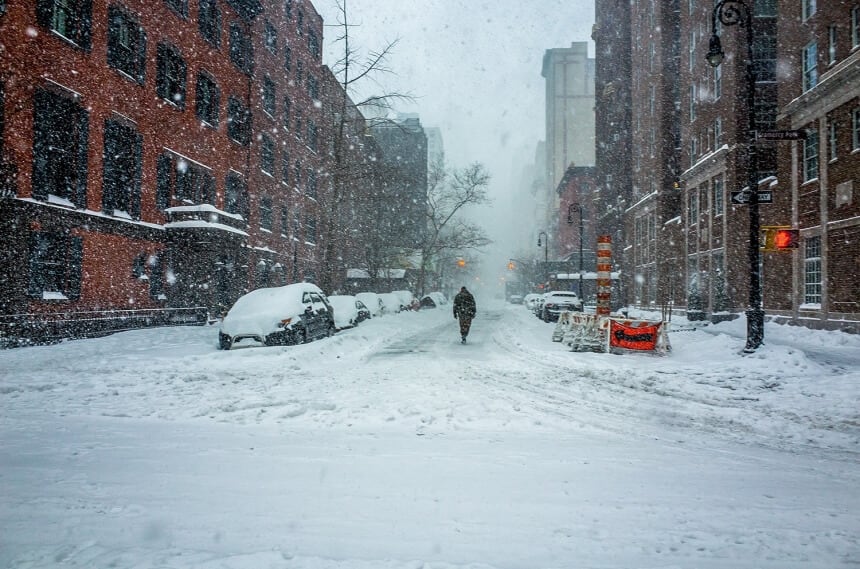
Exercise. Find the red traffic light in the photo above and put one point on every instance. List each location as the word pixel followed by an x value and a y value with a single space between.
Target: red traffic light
pixel 786 239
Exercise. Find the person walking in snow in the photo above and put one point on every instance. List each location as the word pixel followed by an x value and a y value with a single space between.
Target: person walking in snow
pixel 464 309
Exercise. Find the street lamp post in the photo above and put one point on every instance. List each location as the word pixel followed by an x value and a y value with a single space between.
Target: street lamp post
pixel 731 13
pixel 570 209
pixel 545 253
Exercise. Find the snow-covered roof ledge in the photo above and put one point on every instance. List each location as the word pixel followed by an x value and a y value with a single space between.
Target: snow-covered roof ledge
pixel 200 224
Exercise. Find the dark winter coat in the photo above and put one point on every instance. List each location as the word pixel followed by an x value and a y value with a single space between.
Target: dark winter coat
pixel 464 304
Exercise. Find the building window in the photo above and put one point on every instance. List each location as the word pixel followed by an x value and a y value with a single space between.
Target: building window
pixel 313 87
pixel 831 44
pixel 55 261
pixel 236 196
pixel 285 221
pixel 209 21
pixel 156 278
pixel 126 44
pixel 178 6
pixel 313 44
pixel 288 58
pixel 266 213
pixel 288 9
pixel 807 8
pixel 208 99
pixel 287 105
pixel 718 132
pixel 855 129
pixel 271 38
pixel 267 155
pixel 122 170
pixel 311 184
pixel 694 149
pixel 718 82
pixel 70 19
pixel 312 135
pixel 184 180
pixel 238 121
pixel 241 48
pixel 812 271
pixel 831 140
pixel 269 96
pixel 60 134
pixel 810 66
pixel 766 8
pixel 719 196
pixel 692 103
pixel 810 156
pixel 764 58
pixel 297 225
pixel 311 229
pixel 172 72
pixel 300 23
pixel 694 207
pixel 855 26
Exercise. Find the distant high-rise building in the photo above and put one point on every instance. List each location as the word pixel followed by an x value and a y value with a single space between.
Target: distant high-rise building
pixel 435 146
pixel 569 75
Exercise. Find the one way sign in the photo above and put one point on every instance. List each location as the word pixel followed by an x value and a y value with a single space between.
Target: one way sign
pixel 743 197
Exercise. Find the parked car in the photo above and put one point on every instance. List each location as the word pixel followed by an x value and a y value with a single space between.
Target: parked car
pixel 348 311
pixel 406 298
pixel 558 301
pixel 372 301
pixel 291 314
pixel 390 303
pixel 515 299
pixel 433 300
pixel 529 300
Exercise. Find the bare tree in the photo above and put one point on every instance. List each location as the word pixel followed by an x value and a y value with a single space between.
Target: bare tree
pixel 354 182
pixel 447 230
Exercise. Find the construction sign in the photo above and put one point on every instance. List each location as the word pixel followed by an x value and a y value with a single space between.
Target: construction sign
pixel 632 335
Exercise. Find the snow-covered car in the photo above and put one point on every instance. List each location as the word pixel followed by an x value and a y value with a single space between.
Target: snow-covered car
pixel 558 301
pixel 515 299
pixel 348 311
pixel 529 300
pixel 390 303
pixel 291 314
pixel 372 301
pixel 406 298
pixel 433 300
pixel 538 305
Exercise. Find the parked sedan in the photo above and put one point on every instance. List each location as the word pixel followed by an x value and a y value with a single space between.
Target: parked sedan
pixel 557 302
pixel 291 314
pixel 372 301
pixel 348 311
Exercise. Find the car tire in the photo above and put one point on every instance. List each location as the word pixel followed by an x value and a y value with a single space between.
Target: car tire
pixel 330 330
pixel 224 342
pixel 300 336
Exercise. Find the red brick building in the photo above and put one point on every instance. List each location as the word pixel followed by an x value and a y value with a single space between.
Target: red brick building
pixel 155 155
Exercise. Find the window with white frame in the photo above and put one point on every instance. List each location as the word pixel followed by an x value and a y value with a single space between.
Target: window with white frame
pixel 807 8
pixel 810 66
pixel 692 102
pixel 810 156
pixel 812 271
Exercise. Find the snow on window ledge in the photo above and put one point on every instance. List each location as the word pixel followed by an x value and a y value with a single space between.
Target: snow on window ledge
pixel 57 200
pixel 53 295
pixel 810 306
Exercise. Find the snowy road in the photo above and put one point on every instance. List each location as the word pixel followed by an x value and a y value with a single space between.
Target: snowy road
pixel 393 446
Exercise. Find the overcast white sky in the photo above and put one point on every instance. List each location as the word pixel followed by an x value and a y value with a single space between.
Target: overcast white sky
pixel 474 67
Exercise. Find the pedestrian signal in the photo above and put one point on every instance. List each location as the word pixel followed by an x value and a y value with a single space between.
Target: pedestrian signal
pixel 779 238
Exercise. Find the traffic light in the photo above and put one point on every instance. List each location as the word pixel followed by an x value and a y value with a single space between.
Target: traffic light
pixel 461 263
pixel 779 238
pixel 511 266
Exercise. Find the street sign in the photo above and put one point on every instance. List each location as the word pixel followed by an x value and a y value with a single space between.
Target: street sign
pixel 780 135
pixel 743 197
pixel 740 198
